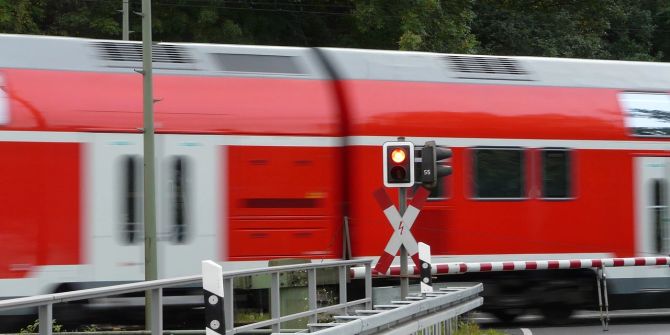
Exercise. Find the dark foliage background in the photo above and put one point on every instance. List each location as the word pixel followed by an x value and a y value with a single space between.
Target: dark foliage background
pixel 613 29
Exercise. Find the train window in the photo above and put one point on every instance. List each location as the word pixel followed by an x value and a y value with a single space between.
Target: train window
pixel 556 174
pixel 499 173
pixel 647 114
pixel 180 188
pixel 659 214
pixel 259 63
pixel 131 229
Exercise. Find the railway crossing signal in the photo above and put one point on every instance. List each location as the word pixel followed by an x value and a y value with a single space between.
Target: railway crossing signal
pixel 432 169
pixel 399 172
pixel 398 164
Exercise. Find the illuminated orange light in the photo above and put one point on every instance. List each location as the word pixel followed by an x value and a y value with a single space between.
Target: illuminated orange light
pixel 398 155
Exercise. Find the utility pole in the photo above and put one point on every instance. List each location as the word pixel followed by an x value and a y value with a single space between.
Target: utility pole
pixel 126 20
pixel 150 246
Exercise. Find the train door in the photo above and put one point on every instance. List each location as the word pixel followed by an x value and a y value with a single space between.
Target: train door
pixel 114 190
pixel 188 201
pixel 652 206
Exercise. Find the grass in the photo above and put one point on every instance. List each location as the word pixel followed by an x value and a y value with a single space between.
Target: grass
pixel 471 328
pixel 35 327
pixel 55 327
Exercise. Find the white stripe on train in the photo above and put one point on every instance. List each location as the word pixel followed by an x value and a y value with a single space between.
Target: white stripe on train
pixel 331 141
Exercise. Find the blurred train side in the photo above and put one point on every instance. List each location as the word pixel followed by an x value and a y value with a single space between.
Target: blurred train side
pixel 262 152
pixel 615 199
pixel 245 162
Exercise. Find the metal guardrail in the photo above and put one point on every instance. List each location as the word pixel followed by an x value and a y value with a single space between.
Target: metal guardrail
pixel 415 314
pixel 45 302
pixel 429 313
pixel 155 288
pixel 276 319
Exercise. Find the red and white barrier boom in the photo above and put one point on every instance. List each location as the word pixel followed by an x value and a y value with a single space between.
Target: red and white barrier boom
pixel 599 264
pixel 460 267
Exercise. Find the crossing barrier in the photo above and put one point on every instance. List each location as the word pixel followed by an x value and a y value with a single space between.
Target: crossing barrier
pixel 598 264
pixel 465 267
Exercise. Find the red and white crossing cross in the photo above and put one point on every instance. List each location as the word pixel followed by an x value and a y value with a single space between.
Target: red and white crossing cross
pixel 402 236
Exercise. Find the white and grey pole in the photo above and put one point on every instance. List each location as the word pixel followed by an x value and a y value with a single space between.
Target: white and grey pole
pixel 212 284
pixel 426 268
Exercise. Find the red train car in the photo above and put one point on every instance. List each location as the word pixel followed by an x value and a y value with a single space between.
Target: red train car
pixel 262 152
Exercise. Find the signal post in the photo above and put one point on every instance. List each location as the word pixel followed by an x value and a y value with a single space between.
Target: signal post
pixel 399 169
pixel 399 172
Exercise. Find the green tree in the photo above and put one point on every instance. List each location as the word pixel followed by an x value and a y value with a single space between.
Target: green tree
pixel 616 29
pixel 425 25
pixel 300 23
pixel 96 19
pixel 186 21
pixel 20 16
pixel 660 12
pixel 631 31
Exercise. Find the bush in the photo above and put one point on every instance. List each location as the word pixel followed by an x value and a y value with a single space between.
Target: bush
pixel 35 327
pixel 471 328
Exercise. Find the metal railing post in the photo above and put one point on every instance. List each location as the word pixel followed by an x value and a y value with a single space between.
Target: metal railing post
pixel 275 303
pixel 311 294
pixel 46 319
pixel 368 285
pixel 342 283
pixel 228 304
pixel 157 311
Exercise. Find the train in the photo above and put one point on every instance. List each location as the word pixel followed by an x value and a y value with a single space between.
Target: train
pixel 275 152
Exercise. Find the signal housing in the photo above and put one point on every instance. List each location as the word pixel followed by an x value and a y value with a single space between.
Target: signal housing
pixel 398 172
pixel 432 170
